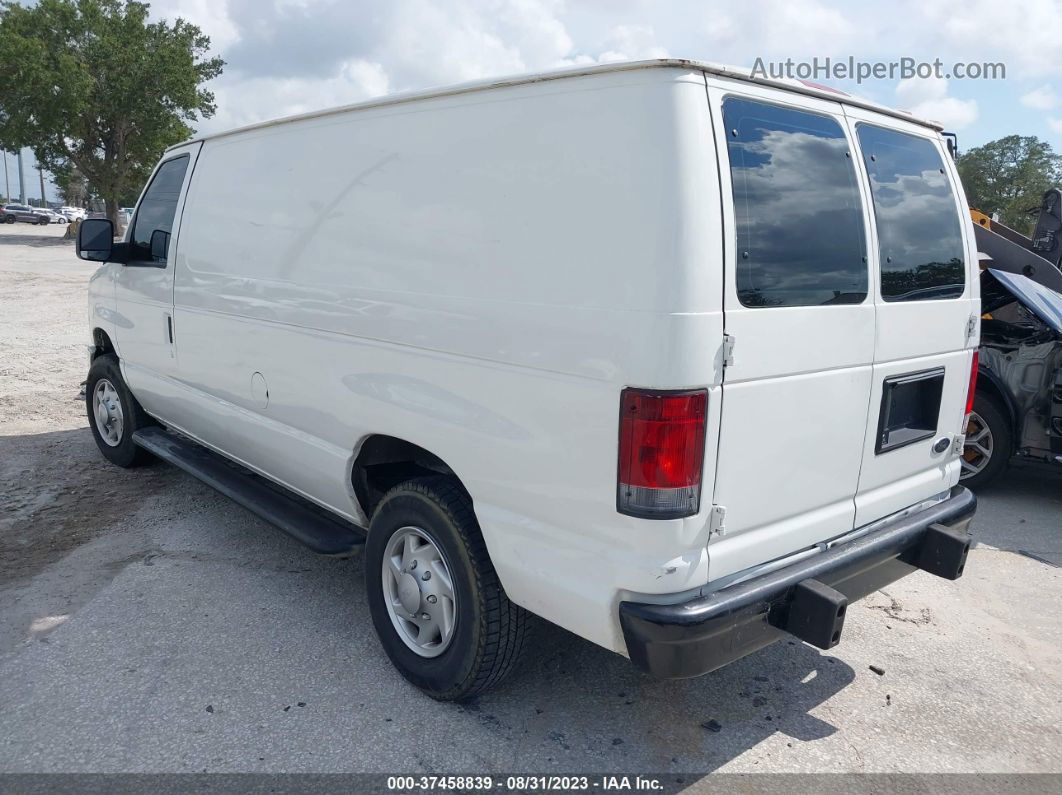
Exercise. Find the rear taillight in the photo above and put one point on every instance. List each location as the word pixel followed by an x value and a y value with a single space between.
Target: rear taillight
pixel 661 453
pixel 973 382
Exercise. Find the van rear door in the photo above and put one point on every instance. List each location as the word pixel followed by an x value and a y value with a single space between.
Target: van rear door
pixel 800 316
pixel 923 261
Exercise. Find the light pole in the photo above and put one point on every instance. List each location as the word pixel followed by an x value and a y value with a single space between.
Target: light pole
pixel 40 173
pixel 21 181
pixel 7 182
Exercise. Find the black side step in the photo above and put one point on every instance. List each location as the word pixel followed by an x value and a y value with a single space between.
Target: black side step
pixel 315 527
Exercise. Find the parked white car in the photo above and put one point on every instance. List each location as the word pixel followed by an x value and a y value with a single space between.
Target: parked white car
pixel 669 356
pixel 73 213
pixel 53 216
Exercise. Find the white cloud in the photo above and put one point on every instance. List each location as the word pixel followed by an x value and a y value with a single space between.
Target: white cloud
pixel 1042 98
pixel 1025 34
pixel 631 43
pixel 928 99
pixel 251 100
pixel 210 15
pixel 288 54
pixel 795 28
pixel 1055 125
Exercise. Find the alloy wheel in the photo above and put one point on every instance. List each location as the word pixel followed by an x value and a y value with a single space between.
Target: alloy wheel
pixel 978 446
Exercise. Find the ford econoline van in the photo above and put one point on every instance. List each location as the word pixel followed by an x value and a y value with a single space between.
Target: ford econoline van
pixel 674 358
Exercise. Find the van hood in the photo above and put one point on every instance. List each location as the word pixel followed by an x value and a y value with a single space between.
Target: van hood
pixel 1042 301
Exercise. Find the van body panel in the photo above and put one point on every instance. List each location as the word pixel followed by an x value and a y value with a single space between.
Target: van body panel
pixel 398 300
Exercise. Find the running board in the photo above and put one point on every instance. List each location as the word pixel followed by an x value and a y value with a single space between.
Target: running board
pixel 317 528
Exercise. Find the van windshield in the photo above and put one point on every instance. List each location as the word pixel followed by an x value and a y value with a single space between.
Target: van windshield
pixel 920 239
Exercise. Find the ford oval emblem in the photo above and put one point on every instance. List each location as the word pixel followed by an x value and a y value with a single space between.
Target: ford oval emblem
pixel 942 445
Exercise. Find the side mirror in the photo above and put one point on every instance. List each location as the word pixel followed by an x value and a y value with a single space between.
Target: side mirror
pixel 160 244
pixel 95 239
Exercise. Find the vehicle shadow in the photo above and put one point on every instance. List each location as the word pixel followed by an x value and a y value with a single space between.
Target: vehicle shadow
pixel 1020 512
pixel 35 241
pixel 596 712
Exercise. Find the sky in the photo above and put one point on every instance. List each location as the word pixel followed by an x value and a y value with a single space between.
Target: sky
pixel 292 56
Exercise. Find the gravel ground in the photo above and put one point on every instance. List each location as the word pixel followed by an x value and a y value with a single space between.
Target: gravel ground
pixel 147 624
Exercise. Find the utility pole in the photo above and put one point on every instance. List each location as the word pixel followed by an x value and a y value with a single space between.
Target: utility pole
pixel 21 181
pixel 7 182
pixel 40 173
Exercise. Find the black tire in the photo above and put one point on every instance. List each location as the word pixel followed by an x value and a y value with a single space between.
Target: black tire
pixel 490 632
pixel 998 425
pixel 43 222
pixel 125 453
pixel 9 219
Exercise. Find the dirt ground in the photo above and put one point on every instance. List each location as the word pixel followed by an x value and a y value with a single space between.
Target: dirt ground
pixel 148 624
pixel 48 504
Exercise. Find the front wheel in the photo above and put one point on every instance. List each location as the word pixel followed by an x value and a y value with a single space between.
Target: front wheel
pixel 436 603
pixel 988 444
pixel 114 414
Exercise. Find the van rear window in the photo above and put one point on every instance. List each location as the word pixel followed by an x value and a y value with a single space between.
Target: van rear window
pixel 800 235
pixel 919 236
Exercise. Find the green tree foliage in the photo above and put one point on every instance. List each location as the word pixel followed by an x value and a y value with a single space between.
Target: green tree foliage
pixel 72 185
pixel 93 85
pixel 1009 177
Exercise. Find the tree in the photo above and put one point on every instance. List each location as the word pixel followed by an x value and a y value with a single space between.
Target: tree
pixel 91 84
pixel 1009 177
pixel 72 185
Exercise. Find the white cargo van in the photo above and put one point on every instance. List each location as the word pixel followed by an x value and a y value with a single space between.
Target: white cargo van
pixel 671 357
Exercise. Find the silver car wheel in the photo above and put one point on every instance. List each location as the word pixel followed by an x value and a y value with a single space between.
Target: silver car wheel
pixel 419 592
pixel 978 446
pixel 107 410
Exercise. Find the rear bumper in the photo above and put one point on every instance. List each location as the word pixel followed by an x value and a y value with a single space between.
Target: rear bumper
pixel 807 600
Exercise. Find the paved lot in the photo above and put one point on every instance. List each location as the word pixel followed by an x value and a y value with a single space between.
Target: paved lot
pixel 147 624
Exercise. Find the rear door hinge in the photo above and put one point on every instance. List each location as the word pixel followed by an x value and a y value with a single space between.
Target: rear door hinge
pixel 717 521
pixel 729 340
pixel 958 444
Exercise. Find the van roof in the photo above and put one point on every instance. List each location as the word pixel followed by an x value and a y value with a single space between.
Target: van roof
pixel 738 73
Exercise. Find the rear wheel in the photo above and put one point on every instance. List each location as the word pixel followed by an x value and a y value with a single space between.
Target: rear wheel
pixel 436 603
pixel 988 444
pixel 114 414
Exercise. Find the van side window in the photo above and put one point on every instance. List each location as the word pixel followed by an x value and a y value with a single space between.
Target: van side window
pixel 156 211
pixel 800 235
pixel 919 237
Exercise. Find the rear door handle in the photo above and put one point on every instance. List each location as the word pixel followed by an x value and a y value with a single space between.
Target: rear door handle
pixel 169 329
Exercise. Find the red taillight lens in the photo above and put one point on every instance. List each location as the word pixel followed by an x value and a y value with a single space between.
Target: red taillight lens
pixel 973 382
pixel 661 453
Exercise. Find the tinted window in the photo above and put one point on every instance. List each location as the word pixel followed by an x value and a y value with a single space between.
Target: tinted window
pixel 800 236
pixel 920 240
pixel 158 207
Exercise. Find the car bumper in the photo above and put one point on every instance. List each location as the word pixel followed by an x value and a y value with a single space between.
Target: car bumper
pixel 807 599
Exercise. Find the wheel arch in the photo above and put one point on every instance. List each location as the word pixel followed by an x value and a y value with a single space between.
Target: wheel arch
pixel 990 386
pixel 382 461
pixel 102 342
